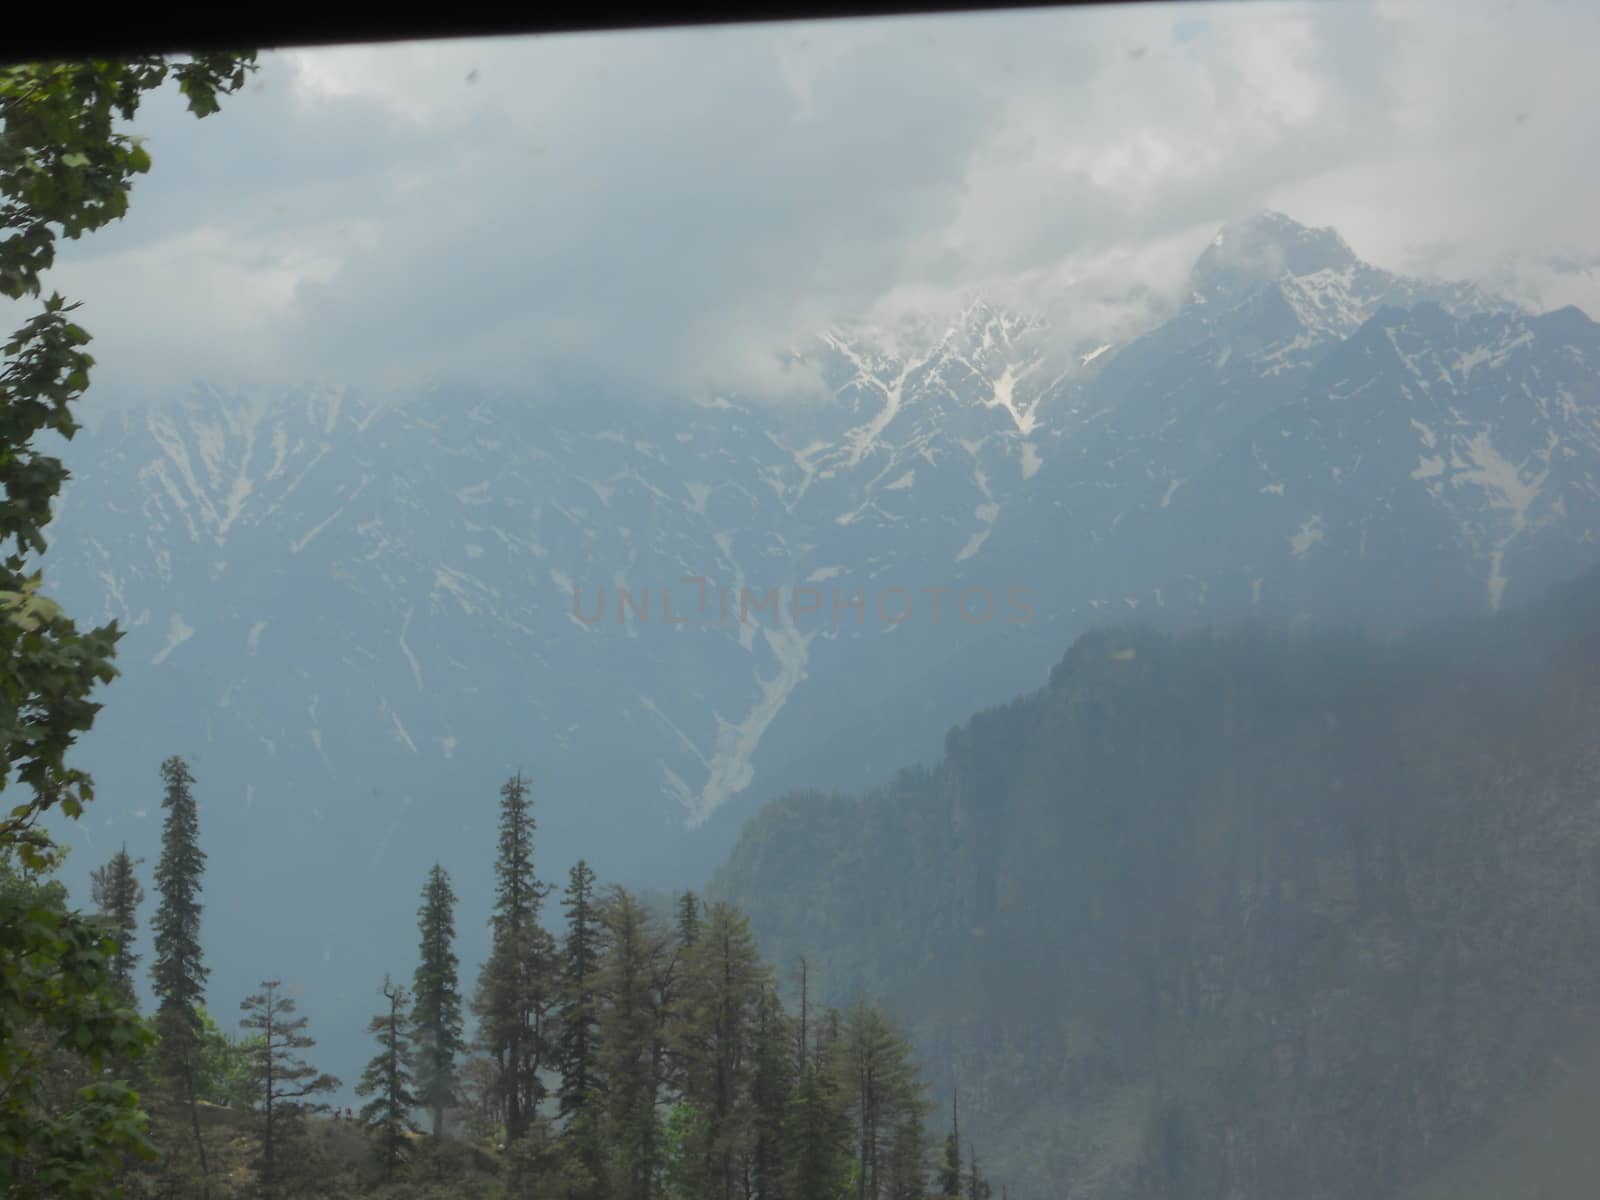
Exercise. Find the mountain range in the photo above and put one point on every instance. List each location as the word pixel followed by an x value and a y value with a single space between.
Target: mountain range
pixel 1242 912
pixel 355 614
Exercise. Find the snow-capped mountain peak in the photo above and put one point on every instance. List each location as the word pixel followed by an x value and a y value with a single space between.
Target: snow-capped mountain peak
pixel 353 604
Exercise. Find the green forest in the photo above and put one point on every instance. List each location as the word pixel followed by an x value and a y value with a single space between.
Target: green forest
pixel 635 1055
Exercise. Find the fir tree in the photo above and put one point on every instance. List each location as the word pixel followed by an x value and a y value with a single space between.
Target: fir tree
pixel 636 980
pixel 907 1162
pixel 802 1052
pixel 436 1008
pixel 179 972
pixel 817 1128
pixel 950 1169
pixel 577 1048
pixel 388 1114
pixel 280 1078
pixel 580 964
pixel 771 1083
pixel 516 994
pixel 117 894
pixel 721 983
pixel 688 920
pixel 977 1187
pixel 875 1067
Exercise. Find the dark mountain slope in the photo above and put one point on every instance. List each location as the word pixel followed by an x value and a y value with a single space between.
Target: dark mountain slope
pixel 1244 914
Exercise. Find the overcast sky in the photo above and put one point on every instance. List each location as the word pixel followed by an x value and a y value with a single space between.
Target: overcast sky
pixel 669 211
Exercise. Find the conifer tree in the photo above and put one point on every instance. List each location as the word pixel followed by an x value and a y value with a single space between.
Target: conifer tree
pixel 534 1167
pixel 436 1034
pixel 636 981
pixel 950 1169
pixel 875 1066
pixel 477 1083
pixel 577 1048
pixel 977 1187
pixel 771 1083
pixel 802 1052
pixel 388 1114
pixel 517 994
pixel 179 972
pixel 580 964
pixel 817 1128
pixel 117 894
pixel 906 1174
pixel 688 920
pixel 280 1078
pixel 721 983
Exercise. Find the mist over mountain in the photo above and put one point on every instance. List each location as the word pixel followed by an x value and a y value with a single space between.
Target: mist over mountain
pixel 1246 913
pixel 355 613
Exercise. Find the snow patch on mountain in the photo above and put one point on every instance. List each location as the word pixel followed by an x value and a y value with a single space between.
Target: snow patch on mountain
pixel 1307 536
pixel 730 767
pixel 1509 488
pixel 179 631
pixel 1030 460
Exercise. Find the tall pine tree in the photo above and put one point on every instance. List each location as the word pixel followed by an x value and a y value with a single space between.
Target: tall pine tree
pixel 117 894
pixel 771 1082
pixel 388 1114
pixel 950 1169
pixel 178 974
pixel 636 983
pixel 517 993
pixel 436 1007
pixel 977 1185
pixel 580 965
pixel 719 989
pixel 817 1127
pixel 281 1079
pixel 578 1049
pixel 880 1080
pixel 688 920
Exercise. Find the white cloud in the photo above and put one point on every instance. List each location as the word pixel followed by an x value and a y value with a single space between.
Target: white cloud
pixel 671 210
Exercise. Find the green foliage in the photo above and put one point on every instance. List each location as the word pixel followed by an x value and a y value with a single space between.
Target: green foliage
pixel 578 1024
pixel 179 972
pixel 773 1077
pixel 281 1079
pixel 65 170
pixel 817 1133
pixel 387 1115
pixel 517 990
pixel 684 1136
pixel 688 919
pixel 636 979
pixel 65 1128
pixel 977 1186
pixel 223 1073
pixel 872 1061
pixel 478 1089
pixel 117 895
pixel 720 984
pixel 950 1167
pixel 436 1035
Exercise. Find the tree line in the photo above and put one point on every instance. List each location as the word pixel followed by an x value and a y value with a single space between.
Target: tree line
pixel 626 1056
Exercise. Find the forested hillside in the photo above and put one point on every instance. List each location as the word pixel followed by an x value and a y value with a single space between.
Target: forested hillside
pixel 628 1058
pixel 1235 913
